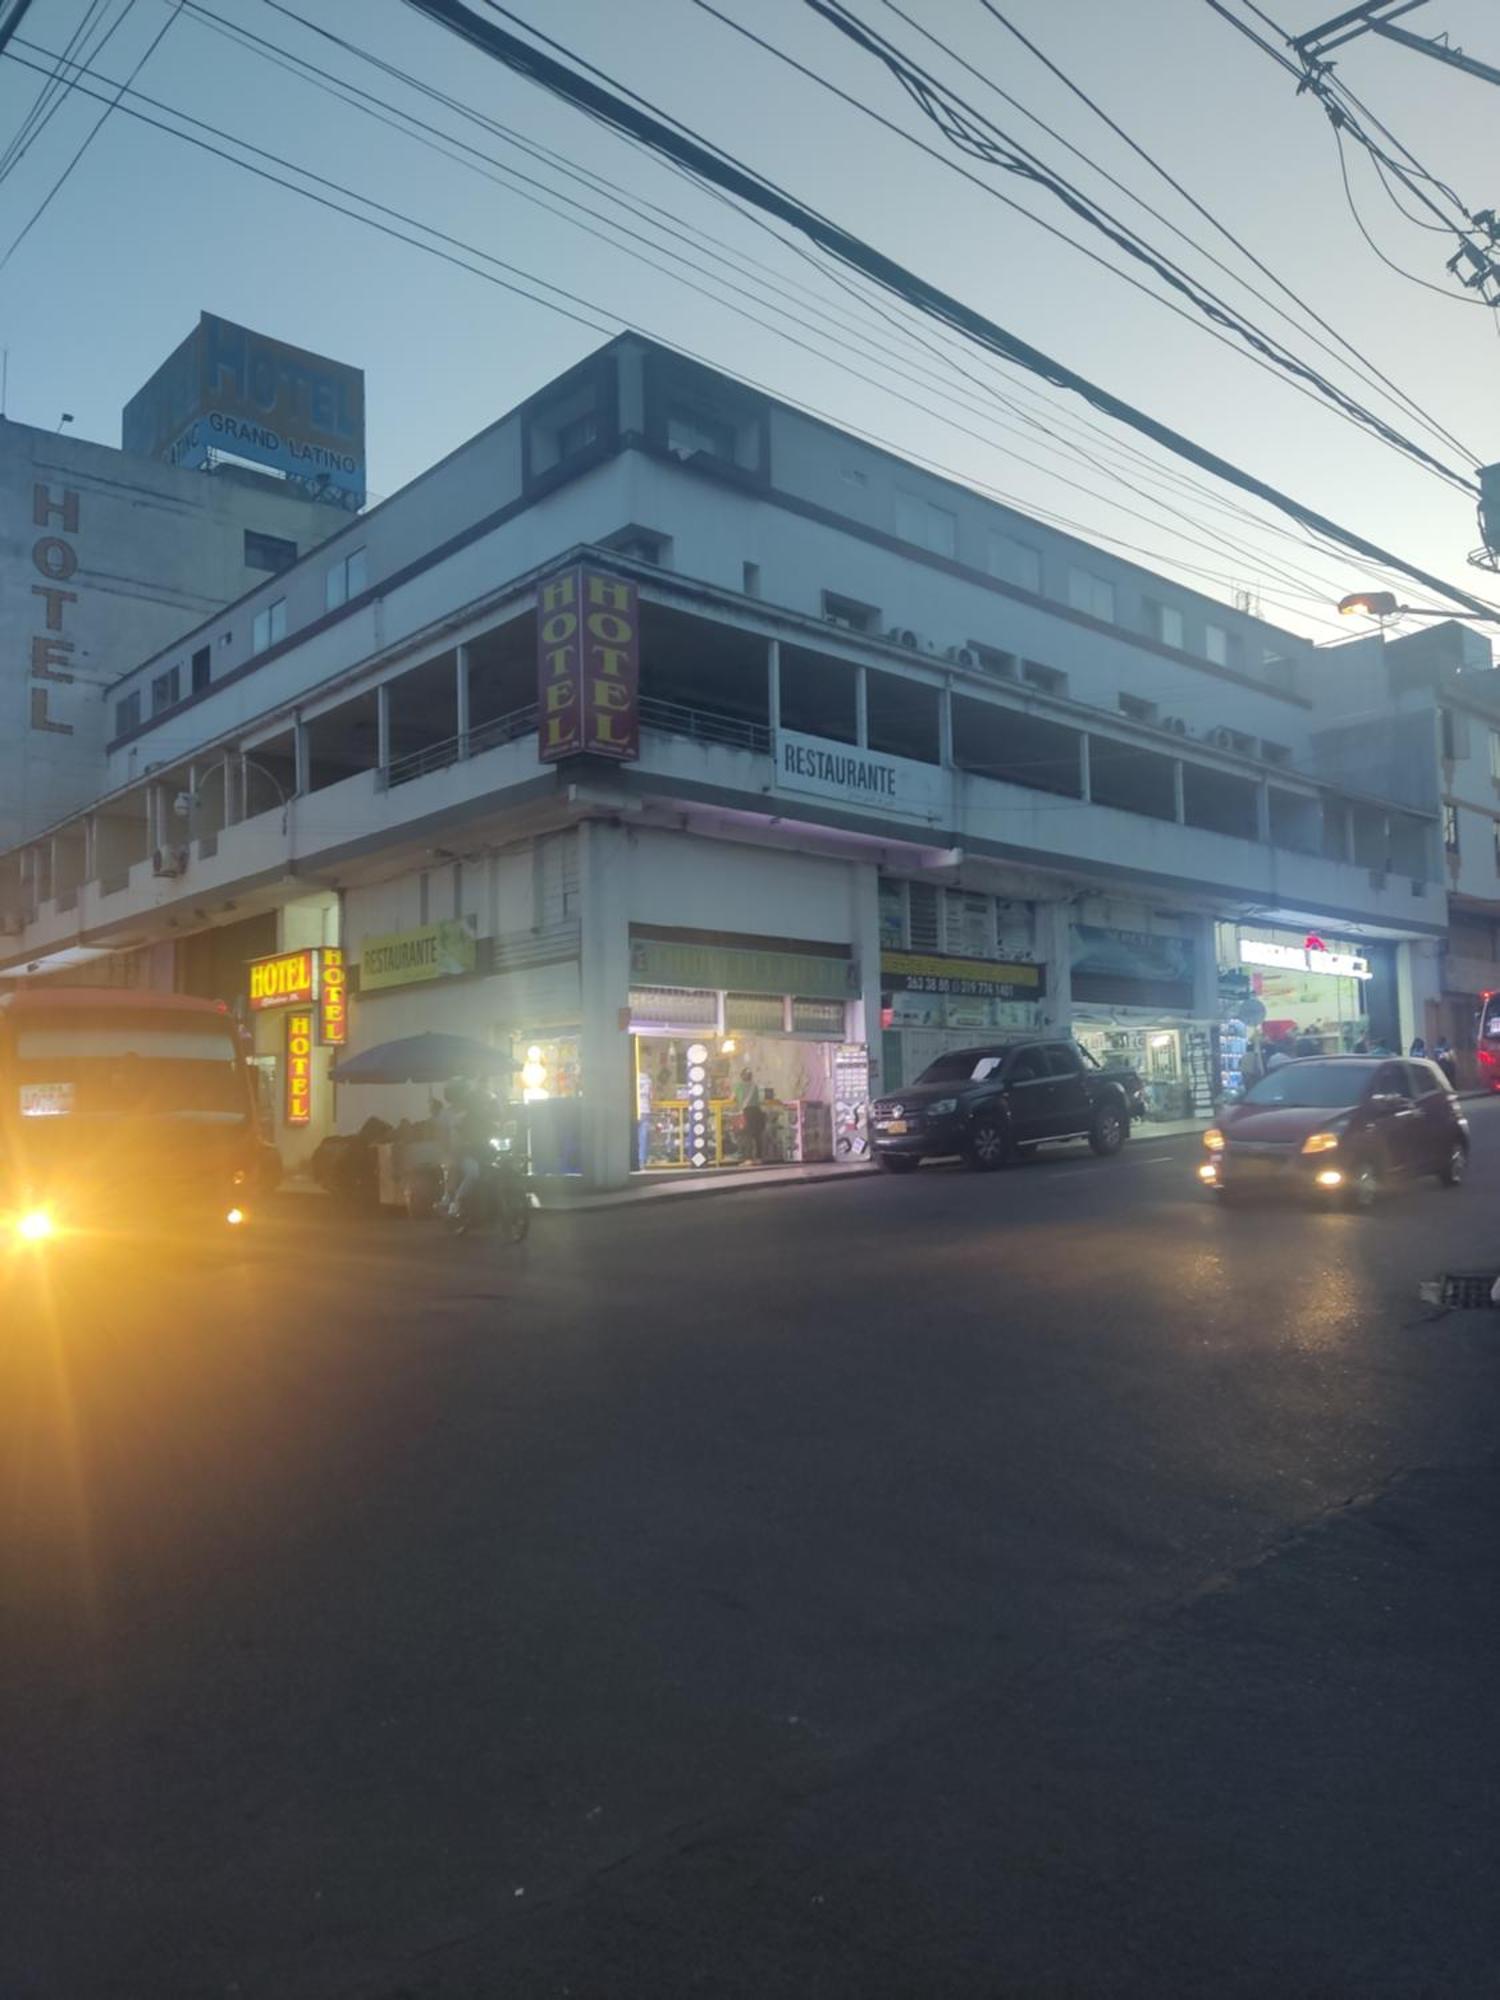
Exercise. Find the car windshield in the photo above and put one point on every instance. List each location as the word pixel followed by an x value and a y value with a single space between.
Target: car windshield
pixel 965 1066
pixel 1324 1085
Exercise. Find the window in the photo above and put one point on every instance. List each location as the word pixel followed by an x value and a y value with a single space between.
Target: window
pixel 970 924
pixel 893 913
pixel 577 433
pixel 1422 1080
pixel 923 916
pixel 1015 562
pixel 1496 825
pixel 346 579
pixel 128 717
pixel 1005 666
pixel 1027 1066
pixel 1092 594
pixel 1166 622
pixel 1216 645
pixel 849 612
pixel 691 433
pixel 166 690
pixel 641 545
pixel 1047 680
pixel 927 526
pixel 272 552
pixel 751 579
pixel 1137 709
pixel 1495 755
pixel 1062 1059
pixel 1450 828
pixel 202 668
pixel 269 626
pixel 1455 736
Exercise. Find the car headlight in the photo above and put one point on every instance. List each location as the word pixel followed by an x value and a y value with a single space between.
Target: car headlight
pixel 1213 1139
pixel 943 1106
pixel 1320 1142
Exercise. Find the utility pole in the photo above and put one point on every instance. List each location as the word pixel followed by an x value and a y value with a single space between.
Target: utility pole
pixel 1376 17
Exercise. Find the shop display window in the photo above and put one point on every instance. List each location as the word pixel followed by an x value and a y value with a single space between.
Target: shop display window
pixel 736 1099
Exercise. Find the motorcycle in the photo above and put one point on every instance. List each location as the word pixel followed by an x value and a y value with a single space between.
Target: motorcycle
pixel 498 1198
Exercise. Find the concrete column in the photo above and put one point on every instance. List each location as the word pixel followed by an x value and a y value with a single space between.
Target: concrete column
pixel 1205 970
pixel 1085 773
pixel 234 788
pixel 156 831
pixel 1179 794
pixel 773 684
pixel 461 692
pixel 302 760
pixel 382 730
pixel 1348 833
pixel 90 848
pixel 864 884
pixel 607 1083
pixel 1263 813
pixel 1054 947
pixel 861 709
pixel 945 727
pixel 1419 989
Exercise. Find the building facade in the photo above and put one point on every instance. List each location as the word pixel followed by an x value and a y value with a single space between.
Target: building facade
pixel 855 767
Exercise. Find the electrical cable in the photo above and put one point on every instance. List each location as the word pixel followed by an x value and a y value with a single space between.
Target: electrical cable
pixel 967 128
pixel 610 108
pixel 54 89
pixel 88 139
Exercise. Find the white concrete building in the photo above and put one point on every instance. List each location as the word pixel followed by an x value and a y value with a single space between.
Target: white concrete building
pixel 912 769
pixel 104 557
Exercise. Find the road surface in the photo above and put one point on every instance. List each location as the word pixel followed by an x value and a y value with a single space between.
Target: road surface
pixel 956 1585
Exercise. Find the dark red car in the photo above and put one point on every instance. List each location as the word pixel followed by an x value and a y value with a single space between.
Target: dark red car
pixel 1339 1127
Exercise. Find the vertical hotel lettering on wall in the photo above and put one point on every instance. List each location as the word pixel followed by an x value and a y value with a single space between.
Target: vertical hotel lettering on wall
pixel 588 667
pixel 57 559
pixel 297 1110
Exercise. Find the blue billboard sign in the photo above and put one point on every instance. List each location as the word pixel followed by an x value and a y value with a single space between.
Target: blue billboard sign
pixel 229 391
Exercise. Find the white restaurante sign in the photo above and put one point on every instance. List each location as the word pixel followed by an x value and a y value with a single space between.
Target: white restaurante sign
pixel 1304 958
pixel 852 776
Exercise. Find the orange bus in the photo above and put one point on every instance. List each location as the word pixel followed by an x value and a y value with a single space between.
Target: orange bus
pixel 122 1114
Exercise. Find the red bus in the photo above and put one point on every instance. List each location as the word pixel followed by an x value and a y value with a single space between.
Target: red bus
pixel 123 1114
pixel 1487 1040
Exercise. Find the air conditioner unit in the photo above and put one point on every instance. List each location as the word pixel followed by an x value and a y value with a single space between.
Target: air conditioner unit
pixel 1220 738
pixel 182 805
pixel 1174 724
pixel 169 861
pixel 961 656
pixel 899 636
pixel 12 923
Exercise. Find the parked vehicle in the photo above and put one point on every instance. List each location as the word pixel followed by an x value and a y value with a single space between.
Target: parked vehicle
pixel 989 1104
pixel 1128 1080
pixel 1339 1127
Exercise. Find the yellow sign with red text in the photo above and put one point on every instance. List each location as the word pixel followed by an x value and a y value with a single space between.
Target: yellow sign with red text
pixel 333 999
pixel 297 1103
pixel 289 979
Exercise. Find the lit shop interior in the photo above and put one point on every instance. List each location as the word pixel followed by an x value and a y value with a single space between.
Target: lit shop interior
pixel 1305 993
pixel 748 1079
pixel 1133 976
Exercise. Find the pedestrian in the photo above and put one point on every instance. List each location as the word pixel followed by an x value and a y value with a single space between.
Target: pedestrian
pixel 1362 1046
pixel 1446 1061
pixel 1276 1054
pixel 752 1118
pixel 1418 1047
pixel 644 1099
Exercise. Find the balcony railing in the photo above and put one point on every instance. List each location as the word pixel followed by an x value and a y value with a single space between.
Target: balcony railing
pixel 437 756
pixel 704 726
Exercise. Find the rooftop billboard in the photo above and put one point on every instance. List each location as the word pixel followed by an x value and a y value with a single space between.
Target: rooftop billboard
pixel 227 389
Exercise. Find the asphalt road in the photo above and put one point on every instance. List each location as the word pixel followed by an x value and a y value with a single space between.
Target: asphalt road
pixel 1043 1583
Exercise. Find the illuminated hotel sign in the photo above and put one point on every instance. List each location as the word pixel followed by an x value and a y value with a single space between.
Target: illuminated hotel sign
pixel 290 979
pixel 1310 957
pixel 588 667
pixel 297 1103
pixel 333 999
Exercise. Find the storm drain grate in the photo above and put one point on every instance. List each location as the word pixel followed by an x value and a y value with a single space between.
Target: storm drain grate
pixel 1463 1290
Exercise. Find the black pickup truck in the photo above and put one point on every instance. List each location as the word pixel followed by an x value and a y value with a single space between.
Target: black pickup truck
pixel 989 1104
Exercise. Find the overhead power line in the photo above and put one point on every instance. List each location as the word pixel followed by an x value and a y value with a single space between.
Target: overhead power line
pixel 719 168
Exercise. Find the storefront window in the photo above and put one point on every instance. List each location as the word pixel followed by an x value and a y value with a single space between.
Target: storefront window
pixel 744 1100
pixel 1306 994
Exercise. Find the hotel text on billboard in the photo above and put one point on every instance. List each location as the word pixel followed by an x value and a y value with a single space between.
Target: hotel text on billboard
pixel 333 999
pixel 588 667
pixel 297 1109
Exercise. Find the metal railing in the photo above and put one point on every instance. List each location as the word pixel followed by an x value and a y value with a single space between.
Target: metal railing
pixel 451 750
pixel 704 726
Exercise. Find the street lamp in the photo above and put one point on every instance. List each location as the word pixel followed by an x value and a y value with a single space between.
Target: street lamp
pixel 1382 604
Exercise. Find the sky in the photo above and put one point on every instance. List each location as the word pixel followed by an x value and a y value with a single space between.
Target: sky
pixel 146 231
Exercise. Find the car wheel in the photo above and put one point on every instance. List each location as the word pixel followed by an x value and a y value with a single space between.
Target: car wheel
pixel 1108 1132
pixel 1364 1184
pixel 1456 1165
pixel 988 1146
pixel 898 1163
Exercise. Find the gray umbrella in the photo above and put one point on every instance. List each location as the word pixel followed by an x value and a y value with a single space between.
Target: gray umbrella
pixel 422 1059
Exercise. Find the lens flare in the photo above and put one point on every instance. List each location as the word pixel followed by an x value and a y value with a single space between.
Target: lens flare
pixel 35 1226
